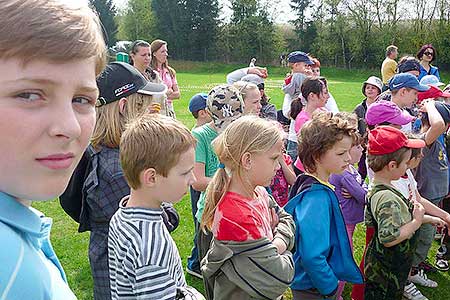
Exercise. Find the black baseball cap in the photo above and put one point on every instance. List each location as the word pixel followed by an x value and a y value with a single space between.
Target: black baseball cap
pixel 120 80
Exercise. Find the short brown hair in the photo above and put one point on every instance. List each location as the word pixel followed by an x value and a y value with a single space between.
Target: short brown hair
pixel 319 135
pixel 378 162
pixel 152 141
pixel 50 30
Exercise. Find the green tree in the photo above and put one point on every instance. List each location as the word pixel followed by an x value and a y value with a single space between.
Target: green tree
pixel 252 33
pixel 106 12
pixel 189 26
pixel 138 22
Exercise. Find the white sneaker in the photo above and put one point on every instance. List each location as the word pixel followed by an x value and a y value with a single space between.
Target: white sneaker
pixel 421 279
pixel 411 292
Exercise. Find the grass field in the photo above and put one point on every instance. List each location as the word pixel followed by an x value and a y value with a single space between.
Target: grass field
pixel 72 246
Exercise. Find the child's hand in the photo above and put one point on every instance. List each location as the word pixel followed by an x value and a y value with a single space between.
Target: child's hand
pixel 279 243
pixel 274 220
pixel 345 194
pixel 154 108
pixel 261 72
pixel 435 221
pixel 418 211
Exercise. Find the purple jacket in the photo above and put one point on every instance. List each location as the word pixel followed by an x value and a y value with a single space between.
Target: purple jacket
pixel 352 208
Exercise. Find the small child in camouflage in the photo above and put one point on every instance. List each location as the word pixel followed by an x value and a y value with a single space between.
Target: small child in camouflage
pixel 395 219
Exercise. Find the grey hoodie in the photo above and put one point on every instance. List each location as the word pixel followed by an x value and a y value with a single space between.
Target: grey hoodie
pixel 251 269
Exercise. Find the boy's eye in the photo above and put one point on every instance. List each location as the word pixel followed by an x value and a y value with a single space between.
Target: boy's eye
pixel 82 100
pixel 29 97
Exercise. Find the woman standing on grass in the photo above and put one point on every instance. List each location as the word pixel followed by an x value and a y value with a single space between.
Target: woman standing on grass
pixel 426 55
pixel 159 62
pixel 140 58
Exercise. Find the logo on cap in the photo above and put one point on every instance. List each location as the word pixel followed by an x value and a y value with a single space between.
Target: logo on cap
pixel 122 90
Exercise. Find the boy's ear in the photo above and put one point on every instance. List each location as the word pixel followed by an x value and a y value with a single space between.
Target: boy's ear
pixel 122 103
pixel 148 177
pixel 246 161
pixel 392 165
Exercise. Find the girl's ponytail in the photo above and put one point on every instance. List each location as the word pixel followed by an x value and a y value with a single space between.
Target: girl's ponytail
pixel 217 187
pixel 296 108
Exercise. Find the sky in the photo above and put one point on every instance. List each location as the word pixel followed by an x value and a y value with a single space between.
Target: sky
pixel 280 8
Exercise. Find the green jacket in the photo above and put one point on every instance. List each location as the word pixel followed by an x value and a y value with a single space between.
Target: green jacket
pixel 250 270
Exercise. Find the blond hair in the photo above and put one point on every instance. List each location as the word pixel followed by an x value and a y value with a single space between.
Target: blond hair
pixel 50 30
pixel 248 134
pixel 111 121
pixel 152 141
pixel 245 87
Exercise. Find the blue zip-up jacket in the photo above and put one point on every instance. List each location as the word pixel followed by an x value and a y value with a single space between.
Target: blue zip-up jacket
pixel 322 254
pixel 433 71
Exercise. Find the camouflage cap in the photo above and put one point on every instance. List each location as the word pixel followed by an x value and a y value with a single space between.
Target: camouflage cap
pixel 225 105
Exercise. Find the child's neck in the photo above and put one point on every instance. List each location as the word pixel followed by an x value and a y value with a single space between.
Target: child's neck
pixel 383 178
pixel 200 122
pixel 397 101
pixel 322 174
pixel 141 198
pixel 310 108
pixel 238 186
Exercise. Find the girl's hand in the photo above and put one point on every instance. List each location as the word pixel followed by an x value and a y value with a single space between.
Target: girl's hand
pixel 274 220
pixel 345 194
pixel 279 243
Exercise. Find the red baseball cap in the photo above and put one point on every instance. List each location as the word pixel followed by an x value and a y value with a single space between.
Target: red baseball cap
pixel 387 139
pixel 433 92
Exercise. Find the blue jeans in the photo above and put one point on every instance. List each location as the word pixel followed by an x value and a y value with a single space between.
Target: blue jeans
pixel 193 262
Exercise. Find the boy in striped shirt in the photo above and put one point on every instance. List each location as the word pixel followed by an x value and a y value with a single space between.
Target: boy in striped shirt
pixel 157 157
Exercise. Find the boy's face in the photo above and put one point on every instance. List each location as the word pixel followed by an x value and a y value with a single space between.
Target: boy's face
pixel 173 187
pixel 336 159
pixel 301 67
pixel 415 161
pixel 405 97
pixel 398 170
pixel 47 117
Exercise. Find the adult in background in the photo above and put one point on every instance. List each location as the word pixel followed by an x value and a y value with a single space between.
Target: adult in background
pixel 426 55
pixel 159 62
pixel 389 65
pixel 371 88
pixel 140 58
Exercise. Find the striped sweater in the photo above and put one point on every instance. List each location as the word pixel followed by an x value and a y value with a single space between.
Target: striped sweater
pixel 144 262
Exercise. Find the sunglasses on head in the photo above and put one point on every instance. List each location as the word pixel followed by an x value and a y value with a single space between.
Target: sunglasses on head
pixel 428 53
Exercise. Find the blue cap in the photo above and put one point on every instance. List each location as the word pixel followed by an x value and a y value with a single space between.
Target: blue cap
pixel 198 102
pixel 406 80
pixel 299 56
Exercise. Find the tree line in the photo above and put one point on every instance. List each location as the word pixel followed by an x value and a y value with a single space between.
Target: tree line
pixel 343 33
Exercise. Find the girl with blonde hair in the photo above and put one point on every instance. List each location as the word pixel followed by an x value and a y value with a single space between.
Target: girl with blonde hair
pixel 124 95
pixel 243 217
